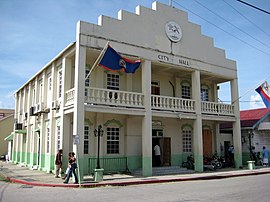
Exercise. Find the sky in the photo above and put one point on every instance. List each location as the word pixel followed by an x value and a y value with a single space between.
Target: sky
pixel 32 32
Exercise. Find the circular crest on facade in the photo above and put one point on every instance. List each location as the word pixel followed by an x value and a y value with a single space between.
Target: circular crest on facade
pixel 173 31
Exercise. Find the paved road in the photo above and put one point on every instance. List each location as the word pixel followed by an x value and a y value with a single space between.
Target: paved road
pixel 248 188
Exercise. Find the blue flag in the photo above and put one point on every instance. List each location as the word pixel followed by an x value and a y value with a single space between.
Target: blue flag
pixel 111 60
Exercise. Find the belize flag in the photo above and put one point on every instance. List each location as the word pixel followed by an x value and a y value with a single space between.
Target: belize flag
pixel 264 91
pixel 111 60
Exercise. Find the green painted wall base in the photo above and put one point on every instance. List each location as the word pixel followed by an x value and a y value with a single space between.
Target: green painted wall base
pixel 238 160
pixel 147 166
pixel 198 160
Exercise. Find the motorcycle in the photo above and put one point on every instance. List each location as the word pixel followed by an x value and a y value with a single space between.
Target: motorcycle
pixel 189 164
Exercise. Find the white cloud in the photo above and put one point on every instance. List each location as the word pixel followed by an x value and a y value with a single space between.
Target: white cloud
pixel 256 102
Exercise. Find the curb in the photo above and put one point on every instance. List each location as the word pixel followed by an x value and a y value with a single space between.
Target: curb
pixel 137 182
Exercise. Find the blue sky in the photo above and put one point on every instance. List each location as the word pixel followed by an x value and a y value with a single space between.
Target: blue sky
pixel 33 32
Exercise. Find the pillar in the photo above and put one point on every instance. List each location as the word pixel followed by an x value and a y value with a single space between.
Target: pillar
pixel 147 120
pixel 79 86
pixel 197 124
pixel 236 125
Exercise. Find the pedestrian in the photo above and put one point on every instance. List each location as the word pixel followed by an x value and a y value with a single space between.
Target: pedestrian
pixel 58 162
pixel 157 155
pixel 72 170
pixel 265 155
pixel 68 167
pixel 231 154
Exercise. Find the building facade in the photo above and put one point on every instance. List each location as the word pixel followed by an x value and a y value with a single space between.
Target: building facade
pixel 172 99
pixel 255 132
pixel 6 128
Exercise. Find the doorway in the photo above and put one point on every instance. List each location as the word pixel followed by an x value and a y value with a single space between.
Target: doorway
pixel 207 143
pixel 165 148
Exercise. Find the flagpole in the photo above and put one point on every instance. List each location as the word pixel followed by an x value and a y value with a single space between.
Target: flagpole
pixel 249 91
pixel 98 59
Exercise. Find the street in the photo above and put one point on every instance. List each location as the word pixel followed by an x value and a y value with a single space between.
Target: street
pixel 248 188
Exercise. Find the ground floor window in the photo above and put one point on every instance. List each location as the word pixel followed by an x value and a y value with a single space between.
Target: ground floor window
pixel 48 140
pixel 113 140
pixel 86 140
pixel 187 139
pixel 58 138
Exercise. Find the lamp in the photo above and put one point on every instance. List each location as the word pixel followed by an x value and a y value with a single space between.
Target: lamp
pixel 98 133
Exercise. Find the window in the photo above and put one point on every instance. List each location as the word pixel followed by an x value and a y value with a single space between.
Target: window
pixel 32 139
pixel 48 140
pixel 50 83
pixel 113 81
pixel 187 140
pixel 86 140
pixel 49 90
pixel 34 97
pixel 58 137
pixel 204 93
pixel 155 88
pixel 40 90
pixel 113 140
pixel 113 84
pixel 60 83
pixel 186 91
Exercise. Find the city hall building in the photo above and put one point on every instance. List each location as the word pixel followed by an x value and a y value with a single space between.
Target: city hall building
pixel 170 100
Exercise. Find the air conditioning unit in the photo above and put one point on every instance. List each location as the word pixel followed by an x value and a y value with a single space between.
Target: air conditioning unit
pixel 32 111
pixel 40 107
pixel 18 126
pixel 55 105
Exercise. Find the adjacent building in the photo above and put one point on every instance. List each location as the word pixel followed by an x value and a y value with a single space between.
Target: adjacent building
pixel 172 98
pixel 255 131
pixel 6 135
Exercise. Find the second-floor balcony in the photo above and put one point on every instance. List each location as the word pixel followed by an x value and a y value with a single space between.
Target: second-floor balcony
pixel 115 98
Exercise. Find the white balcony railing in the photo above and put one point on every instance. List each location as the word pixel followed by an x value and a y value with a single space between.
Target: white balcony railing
pixel 172 103
pixel 100 96
pixel 217 108
pixel 113 97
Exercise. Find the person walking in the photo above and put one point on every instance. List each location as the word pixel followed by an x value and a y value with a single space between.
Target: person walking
pixel 265 155
pixel 68 167
pixel 72 170
pixel 58 162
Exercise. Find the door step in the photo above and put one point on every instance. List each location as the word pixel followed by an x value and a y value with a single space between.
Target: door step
pixel 172 170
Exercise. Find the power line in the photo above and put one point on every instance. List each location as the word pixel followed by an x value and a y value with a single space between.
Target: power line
pixel 246 18
pixel 223 30
pixel 253 6
pixel 232 24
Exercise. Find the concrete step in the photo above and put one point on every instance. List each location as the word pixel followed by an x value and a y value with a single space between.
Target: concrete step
pixel 170 170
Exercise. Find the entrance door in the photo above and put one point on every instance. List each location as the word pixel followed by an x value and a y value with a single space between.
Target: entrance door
pixel 207 143
pixel 165 144
pixel 165 148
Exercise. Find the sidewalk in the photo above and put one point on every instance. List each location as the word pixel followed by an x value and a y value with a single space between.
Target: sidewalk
pixel 23 175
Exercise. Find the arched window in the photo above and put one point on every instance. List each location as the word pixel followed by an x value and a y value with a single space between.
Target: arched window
pixel 204 93
pixel 186 90
pixel 187 139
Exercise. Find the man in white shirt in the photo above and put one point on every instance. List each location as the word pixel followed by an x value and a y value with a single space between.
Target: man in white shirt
pixel 157 155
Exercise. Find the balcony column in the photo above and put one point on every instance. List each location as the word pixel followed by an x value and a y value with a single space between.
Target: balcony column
pixel 65 130
pixel 236 125
pixel 197 124
pixel 79 86
pixel 15 139
pixel 147 120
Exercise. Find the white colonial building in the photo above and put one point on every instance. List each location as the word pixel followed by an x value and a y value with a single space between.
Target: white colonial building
pixel 172 98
